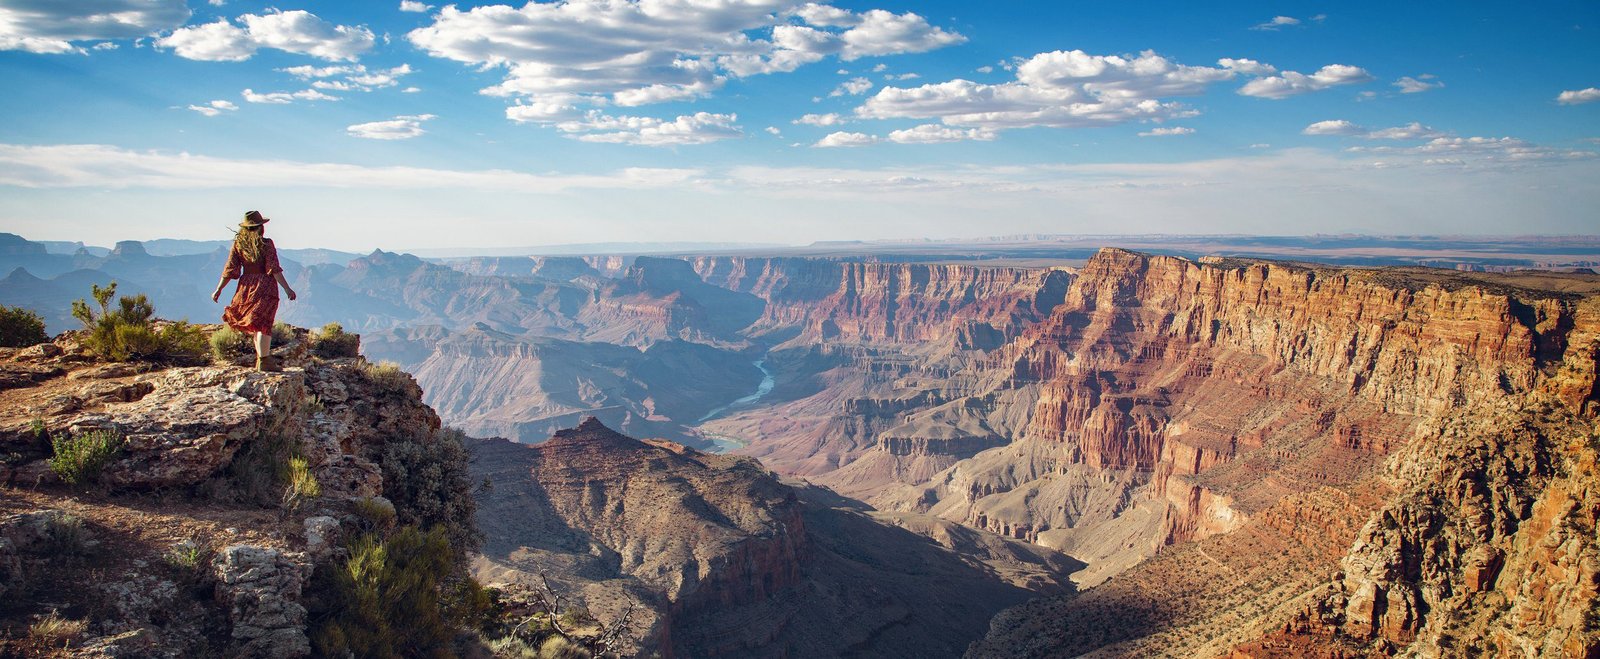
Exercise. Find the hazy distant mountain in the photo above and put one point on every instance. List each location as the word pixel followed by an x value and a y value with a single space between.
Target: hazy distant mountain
pixel 585 249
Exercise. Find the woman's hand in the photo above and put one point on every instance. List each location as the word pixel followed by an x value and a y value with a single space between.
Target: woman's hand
pixel 218 293
pixel 290 291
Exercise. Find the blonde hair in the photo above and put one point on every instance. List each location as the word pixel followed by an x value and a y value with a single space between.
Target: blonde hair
pixel 248 241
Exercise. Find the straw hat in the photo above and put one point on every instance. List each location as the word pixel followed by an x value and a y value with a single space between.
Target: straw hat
pixel 254 219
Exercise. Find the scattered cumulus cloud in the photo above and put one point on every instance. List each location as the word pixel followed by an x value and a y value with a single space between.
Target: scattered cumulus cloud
pixel 596 126
pixel 403 127
pixel 1343 128
pixel 1062 89
pixel 1167 131
pixel 582 54
pixel 414 6
pixel 830 119
pixel 773 131
pixel 1578 96
pixel 985 69
pixel 1290 83
pixel 1277 22
pixel 845 139
pixel 935 133
pixel 297 31
pixel 853 87
pixel 1417 85
pixel 1475 151
pixel 214 108
pixel 48 27
pixel 285 98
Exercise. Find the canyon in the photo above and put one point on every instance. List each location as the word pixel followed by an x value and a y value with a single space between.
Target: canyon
pixel 913 454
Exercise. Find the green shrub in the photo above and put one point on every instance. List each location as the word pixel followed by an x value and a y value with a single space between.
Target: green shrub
pixel 127 333
pixel 20 328
pixel 300 485
pixel 425 475
pixel 331 342
pixel 55 631
pixel 387 376
pixel 282 334
pixel 78 460
pixel 394 596
pixel 228 344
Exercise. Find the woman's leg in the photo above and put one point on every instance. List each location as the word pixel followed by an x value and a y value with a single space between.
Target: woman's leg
pixel 263 345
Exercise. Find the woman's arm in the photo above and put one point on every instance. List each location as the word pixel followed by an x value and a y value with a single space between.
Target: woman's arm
pixel 220 284
pixel 284 283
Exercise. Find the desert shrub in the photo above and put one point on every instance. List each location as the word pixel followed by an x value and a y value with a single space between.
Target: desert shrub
pixel 387 376
pixel 426 477
pixel 228 344
pixel 394 596
pixel 55 631
pixel 300 485
pixel 282 334
pixel 78 460
pixel 66 535
pixel 331 342
pixel 187 555
pixel 20 328
pixel 127 332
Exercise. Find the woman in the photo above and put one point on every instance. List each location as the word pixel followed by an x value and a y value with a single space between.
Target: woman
pixel 254 262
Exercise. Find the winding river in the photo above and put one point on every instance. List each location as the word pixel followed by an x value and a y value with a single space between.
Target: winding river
pixel 722 443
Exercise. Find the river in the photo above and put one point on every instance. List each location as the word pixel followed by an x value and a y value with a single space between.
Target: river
pixel 723 443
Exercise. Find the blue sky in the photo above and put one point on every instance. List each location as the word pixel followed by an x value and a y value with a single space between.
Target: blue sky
pixel 362 124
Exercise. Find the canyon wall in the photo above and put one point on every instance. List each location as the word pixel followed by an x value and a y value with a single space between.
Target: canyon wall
pixel 1237 423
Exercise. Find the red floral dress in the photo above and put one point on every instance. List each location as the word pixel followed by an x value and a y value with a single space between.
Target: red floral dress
pixel 255 304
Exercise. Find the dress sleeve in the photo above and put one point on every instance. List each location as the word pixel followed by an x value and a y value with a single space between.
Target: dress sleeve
pixel 235 264
pixel 269 257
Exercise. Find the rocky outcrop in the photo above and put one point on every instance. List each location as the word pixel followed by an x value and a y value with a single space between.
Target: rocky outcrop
pixel 194 547
pixel 260 586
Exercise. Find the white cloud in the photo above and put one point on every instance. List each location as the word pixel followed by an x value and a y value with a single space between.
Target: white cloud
pixel 1410 85
pixel 307 72
pixel 217 3
pixel 104 45
pixel 1277 22
pixel 103 166
pixel 1578 96
pixel 934 133
pixel 1247 66
pixel 1341 127
pixel 295 31
pixel 52 27
pixel 844 139
pixel 773 131
pixel 1168 131
pixel 698 128
pixel 411 90
pixel 1061 89
pixel 414 6
pixel 853 87
pixel 214 108
pixel 1290 83
pixel 985 69
pixel 1476 151
pixel 212 42
pixel 830 119
pixel 403 127
pixel 284 98
pixel 631 53
pixel 903 76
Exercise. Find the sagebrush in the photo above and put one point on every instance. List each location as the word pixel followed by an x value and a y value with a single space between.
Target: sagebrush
pixel 78 460
pixel 332 342
pixel 20 328
pixel 129 333
pixel 425 474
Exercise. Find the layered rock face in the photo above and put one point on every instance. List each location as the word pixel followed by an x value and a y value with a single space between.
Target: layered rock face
pixel 185 560
pixel 1271 418
pixel 724 560
pixel 889 302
